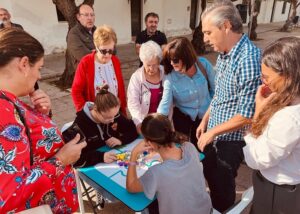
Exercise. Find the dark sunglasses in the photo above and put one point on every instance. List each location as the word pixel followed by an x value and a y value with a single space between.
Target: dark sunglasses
pixel 175 60
pixel 105 51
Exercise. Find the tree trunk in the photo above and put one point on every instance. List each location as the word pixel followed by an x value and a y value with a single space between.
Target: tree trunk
pixel 198 36
pixel 291 17
pixel 198 40
pixel 68 9
pixel 252 25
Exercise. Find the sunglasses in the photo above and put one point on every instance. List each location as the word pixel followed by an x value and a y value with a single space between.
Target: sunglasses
pixel 106 51
pixel 175 60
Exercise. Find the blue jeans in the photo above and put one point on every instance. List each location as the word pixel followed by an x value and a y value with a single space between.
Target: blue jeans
pixel 220 164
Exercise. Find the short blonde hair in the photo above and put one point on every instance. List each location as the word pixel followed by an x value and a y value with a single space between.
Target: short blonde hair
pixel 103 35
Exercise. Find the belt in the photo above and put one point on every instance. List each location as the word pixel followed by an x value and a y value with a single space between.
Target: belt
pixel 283 186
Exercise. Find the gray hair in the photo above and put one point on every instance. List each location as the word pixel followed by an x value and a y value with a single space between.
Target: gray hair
pixel 221 11
pixel 150 50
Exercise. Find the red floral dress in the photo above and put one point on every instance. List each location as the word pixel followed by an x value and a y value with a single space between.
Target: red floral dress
pixel 46 181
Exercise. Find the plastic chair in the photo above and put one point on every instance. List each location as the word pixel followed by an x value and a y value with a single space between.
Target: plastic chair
pixel 247 197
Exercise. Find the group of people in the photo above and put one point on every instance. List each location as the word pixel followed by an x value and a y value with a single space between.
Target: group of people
pixel 246 107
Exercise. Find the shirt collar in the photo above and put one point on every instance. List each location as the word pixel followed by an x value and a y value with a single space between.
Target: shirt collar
pixel 236 49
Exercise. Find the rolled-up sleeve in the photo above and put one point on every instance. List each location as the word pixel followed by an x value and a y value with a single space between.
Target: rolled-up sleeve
pixel 277 142
pixel 248 81
pixel 167 98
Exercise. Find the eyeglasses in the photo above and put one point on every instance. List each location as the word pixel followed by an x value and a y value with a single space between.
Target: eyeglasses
pixel 175 60
pixel 87 14
pixel 109 118
pixel 105 51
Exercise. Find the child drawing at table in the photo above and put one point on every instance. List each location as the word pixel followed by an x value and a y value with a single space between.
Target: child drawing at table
pixel 178 182
pixel 102 124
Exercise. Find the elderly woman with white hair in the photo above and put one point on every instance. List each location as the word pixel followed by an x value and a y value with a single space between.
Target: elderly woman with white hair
pixel 145 86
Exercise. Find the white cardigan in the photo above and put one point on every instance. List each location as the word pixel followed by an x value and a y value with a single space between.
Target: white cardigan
pixel 138 95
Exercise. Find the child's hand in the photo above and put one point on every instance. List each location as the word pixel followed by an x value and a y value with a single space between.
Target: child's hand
pixel 141 147
pixel 112 142
pixel 109 157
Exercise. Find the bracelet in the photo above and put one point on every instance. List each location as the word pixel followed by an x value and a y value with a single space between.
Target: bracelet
pixel 127 163
pixel 56 162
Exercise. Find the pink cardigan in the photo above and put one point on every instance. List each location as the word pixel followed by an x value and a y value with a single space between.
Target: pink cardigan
pixel 83 84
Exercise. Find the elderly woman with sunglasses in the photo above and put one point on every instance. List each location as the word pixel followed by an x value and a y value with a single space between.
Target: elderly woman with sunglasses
pixel 145 86
pixel 189 86
pixel 97 69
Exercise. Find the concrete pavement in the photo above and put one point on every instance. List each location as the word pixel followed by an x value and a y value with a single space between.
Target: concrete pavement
pixel 63 109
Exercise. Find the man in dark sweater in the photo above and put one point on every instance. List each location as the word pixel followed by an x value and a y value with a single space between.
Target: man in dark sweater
pixel 80 37
pixel 150 33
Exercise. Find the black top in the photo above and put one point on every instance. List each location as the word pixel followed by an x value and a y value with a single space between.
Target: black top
pixel 159 37
pixel 13 25
pixel 122 128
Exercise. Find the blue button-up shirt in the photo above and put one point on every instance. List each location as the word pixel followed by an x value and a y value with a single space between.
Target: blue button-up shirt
pixel 189 94
pixel 237 79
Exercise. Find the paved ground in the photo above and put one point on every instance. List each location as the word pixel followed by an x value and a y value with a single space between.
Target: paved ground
pixel 64 111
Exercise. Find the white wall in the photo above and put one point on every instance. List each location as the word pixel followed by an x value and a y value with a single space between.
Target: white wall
pixel 177 17
pixel 39 18
pixel 41 23
pixel 278 17
pixel 265 11
pixel 115 13
pixel 155 6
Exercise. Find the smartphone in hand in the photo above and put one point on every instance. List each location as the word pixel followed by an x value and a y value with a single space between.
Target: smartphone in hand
pixel 266 91
pixel 71 132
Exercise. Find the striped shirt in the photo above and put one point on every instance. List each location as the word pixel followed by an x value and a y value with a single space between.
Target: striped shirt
pixel 237 79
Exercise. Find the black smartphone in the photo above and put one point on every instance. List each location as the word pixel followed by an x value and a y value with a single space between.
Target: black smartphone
pixel 71 132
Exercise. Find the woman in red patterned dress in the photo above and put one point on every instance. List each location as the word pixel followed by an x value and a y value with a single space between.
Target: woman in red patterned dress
pixel 34 161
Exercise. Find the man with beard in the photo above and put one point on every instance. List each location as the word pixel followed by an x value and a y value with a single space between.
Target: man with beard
pixel 150 33
pixel 5 20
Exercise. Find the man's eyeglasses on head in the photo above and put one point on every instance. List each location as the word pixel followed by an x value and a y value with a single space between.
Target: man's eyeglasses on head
pixel 175 60
pixel 106 51
pixel 87 14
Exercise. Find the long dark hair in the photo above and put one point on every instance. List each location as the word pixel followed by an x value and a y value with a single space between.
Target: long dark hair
pixel 282 56
pixel 16 42
pixel 180 48
pixel 157 128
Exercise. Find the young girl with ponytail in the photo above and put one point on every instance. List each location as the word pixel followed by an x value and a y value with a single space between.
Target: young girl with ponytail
pixel 102 124
pixel 178 181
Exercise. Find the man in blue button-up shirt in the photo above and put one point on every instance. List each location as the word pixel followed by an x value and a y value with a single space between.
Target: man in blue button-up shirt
pixel 232 107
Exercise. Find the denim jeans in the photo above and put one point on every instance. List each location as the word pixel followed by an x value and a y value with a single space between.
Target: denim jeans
pixel 221 163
